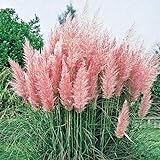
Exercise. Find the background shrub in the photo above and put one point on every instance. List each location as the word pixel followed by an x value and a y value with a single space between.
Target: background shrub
pixel 13 31
pixel 156 90
pixel 9 102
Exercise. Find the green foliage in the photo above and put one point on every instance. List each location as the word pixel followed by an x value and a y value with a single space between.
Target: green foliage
pixel 9 103
pixel 27 134
pixel 69 11
pixel 156 90
pixel 39 135
pixel 156 97
pixel 57 135
pixel 13 31
pixel 148 142
pixel 156 87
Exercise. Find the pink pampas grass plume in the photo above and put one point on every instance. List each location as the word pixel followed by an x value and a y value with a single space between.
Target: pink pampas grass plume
pixel 50 45
pixel 19 82
pixel 31 60
pixel 28 55
pixel 44 85
pixel 56 67
pixel 145 105
pixel 143 74
pixel 93 71
pixel 122 121
pixel 136 76
pixel 109 76
pixel 107 47
pixel 108 65
pixel 31 83
pixel 58 48
pixel 123 60
pixel 65 88
pixel 150 72
pixel 80 89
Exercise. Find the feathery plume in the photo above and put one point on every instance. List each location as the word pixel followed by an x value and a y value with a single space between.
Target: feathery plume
pixel 30 58
pixel 50 45
pixel 80 89
pixel 28 55
pixel 19 82
pixel 109 76
pixel 107 48
pixel 65 88
pixel 143 73
pixel 122 121
pixel 93 71
pixel 150 73
pixel 123 60
pixel 44 86
pixel 33 97
pixel 145 105
pixel 136 76
pixel 56 67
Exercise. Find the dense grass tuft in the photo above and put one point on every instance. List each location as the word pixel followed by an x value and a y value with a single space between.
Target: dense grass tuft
pixel 28 134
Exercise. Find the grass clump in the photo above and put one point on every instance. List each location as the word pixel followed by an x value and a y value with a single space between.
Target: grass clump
pixel 63 134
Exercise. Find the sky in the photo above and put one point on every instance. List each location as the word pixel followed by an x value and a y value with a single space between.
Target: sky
pixel 117 15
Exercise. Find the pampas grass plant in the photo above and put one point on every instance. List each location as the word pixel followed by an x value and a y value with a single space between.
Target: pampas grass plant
pixel 82 88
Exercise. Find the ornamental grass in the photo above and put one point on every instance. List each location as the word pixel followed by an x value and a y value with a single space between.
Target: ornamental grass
pixel 88 85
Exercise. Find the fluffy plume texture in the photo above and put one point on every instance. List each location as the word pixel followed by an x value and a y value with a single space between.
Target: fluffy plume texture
pixel 93 71
pixel 143 73
pixel 50 45
pixel 19 82
pixel 65 88
pixel 107 47
pixel 150 73
pixel 31 59
pixel 76 55
pixel 109 76
pixel 122 121
pixel 123 60
pixel 135 80
pixel 28 55
pixel 80 90
pixel 145 105
pixel 33 97
pixel 56 67
pixel 44 85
